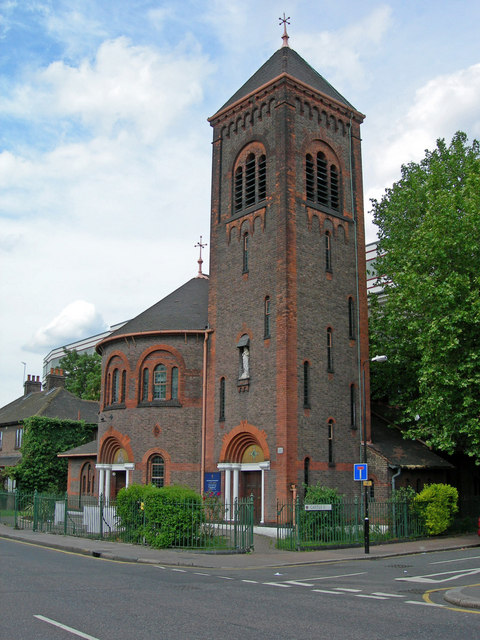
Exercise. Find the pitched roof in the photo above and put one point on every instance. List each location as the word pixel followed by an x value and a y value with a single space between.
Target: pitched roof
pixel 407 454
pixel 288 61
pixel 55 403
pixel 186 309
pixel 84 450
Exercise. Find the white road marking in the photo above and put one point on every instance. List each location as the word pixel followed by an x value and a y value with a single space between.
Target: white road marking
pixel 424 604
pixel 389 595
pixel 343 575
pixel 335 593
pixel 349 590
pixel 436 577
pixel 179 570
pixel 251 581
pixel 198 573
pixel 365 595
pixel 75 632
pixel 277 584
pixel 456 560
pixel 299 584
pixel 224 578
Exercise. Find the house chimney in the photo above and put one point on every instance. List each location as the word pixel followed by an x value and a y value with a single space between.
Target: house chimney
pixel 32 385
pixel 55 379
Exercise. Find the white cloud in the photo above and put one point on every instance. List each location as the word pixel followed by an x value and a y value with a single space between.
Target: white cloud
pixel 444 105
pixel 341 54
pixel 77 319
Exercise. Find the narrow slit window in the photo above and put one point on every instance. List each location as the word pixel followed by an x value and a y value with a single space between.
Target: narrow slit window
pixel 322 183
pixel 328 252
pixel 245 252
pixel 330 441
pixel 266 318
pixel 115 386
pixel 310 178
pixel 174 383
pixel 262 177
pixel 222 400
pixel 160 382
pixel 123 391
pixel 250 180
pixel 329 350
pixel 145 380
pixel 353 407
pixel 351 319
pixel 334 197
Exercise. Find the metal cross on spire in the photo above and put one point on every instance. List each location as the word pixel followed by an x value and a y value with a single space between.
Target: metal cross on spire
pixel 201 245
pixel 285 36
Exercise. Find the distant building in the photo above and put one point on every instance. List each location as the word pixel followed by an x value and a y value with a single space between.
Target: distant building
pixel 54 401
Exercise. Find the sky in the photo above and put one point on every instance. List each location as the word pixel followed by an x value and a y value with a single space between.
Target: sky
pixel 105 148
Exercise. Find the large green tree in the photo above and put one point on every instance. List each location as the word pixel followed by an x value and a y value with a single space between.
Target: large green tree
pixel 83 374
pixel 43 439
pixel 429 321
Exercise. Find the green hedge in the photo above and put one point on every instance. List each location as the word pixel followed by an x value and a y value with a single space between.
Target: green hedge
pixel 162 517
pixel 437 504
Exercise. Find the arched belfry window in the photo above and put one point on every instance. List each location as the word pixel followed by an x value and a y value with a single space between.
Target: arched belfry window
pixel 245 249
pixel 250 179
pixel 328 252
pixel 322 180
pixel 160 382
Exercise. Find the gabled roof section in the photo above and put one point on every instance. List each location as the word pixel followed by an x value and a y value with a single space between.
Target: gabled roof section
pixel 406 454
pixel 56 403
pixel 286 61
pixel 84 450
pixel 186 309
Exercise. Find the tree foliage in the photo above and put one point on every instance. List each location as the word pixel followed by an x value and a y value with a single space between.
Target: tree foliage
pixel 43 439
pixel 83 374
pixel 429 322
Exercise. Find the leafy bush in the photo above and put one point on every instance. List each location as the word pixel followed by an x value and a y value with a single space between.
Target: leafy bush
pixel 437 504
pixel 130 514
pixel 173 515
pixel 160 516
pixel 317 526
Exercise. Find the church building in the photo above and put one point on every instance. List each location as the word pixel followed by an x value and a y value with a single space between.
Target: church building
pixel 252 381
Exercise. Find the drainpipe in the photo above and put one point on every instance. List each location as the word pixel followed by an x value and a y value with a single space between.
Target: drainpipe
pixel 204 412
pixel 395 475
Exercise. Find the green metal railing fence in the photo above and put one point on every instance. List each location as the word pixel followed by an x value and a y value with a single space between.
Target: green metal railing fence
pixel 189 525
pixel 301 526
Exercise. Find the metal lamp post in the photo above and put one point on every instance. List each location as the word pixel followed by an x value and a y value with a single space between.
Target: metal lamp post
pixel 366 526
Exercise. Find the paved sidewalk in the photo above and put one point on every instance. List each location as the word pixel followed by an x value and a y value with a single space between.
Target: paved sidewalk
pixel 264 555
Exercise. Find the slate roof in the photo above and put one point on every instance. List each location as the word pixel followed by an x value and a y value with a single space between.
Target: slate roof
pixel 407 454
pixel 84 450
pixel 286 60
pixel 55 403
pixel 186 309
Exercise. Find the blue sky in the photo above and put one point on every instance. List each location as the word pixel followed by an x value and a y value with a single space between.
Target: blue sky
pixel 105 145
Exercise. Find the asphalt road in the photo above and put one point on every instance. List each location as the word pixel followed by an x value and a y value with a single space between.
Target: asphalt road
pixel 42 589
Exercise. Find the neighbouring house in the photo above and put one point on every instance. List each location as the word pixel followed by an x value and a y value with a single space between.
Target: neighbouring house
pixel 53 401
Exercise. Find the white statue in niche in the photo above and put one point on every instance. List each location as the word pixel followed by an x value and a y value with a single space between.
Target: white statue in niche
pixel 245 364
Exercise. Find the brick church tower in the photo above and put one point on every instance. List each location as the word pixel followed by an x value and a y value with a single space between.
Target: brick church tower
pixel 288 350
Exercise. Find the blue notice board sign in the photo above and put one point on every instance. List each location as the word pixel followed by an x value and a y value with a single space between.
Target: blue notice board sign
pixel 213 482
pixel 360 471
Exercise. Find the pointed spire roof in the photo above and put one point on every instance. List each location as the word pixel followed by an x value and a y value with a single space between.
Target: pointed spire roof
pixel 289 62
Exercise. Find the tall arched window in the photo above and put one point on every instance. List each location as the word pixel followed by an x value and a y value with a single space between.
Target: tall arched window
pixel 123 391
pixel 353 407
pixel 174 383
pixel 266 317
pixel 328 252
pixel 160 382
pixel 329 350
pixel 250 181
pixel 322 181
pixel 221 416
pixel 306 471
pixel 306 385
pixel 351 319
pixel 245 252
pixel 330 435
pixel 115 386
pixel 145 381
pixel 156 471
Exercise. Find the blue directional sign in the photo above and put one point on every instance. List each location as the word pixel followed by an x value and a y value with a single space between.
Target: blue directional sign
pixel 360 471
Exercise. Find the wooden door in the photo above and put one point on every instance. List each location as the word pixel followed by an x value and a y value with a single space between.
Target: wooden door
pixel 251 484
